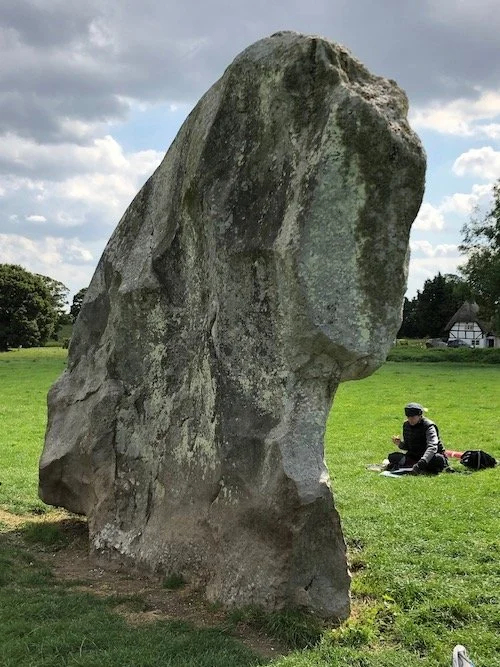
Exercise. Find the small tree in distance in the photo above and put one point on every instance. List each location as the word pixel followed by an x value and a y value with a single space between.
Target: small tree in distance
pixel 481 246
pixel 77 303
pixel 28 315
pixel 59 294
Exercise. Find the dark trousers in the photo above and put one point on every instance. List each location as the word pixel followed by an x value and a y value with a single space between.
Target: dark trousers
pixel 399 460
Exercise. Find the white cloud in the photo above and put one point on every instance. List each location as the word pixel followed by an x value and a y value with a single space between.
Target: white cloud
pixel 110 189
pixel 36 218
pixel 101 36
pixel 81 131
pixel 463 204
pixel 47 251
pixel 427 249
pixel 83 186
pixel 78 254
pixel 491 131
pixel 54 162
pixel 439 259
pixel 429 258
pixel 461 117
pixel 16 250
pixel 67 260
pixel 482 162
pixel 428 267
pixel 12 184
pixel 429 217
pixel 58 226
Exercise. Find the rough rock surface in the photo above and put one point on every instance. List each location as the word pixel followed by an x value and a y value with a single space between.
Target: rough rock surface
pixel 263 263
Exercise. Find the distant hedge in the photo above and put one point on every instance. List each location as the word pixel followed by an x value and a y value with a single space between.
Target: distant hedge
pixel 461 354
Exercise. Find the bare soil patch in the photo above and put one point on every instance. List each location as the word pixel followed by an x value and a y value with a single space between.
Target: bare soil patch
pixel 151 602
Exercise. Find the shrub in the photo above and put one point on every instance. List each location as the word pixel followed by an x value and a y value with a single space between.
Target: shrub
pixel 460 354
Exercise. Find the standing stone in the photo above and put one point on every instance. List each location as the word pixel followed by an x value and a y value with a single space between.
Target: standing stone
pixel 264 262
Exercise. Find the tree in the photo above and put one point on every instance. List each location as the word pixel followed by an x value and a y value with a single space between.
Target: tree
pixel 77 303
pixel 409 326
pixel 435 306
pixel 58 292
pixel 481 245
pixel 59 295
pixel 27 313
pixel 426 315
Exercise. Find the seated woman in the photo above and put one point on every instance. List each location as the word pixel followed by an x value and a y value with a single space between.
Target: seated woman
pixel 422 448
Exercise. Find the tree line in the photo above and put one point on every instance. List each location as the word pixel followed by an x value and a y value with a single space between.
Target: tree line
pixel 33 306
pixel 427 314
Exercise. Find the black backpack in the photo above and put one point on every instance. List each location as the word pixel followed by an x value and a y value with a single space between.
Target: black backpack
pixel 476 459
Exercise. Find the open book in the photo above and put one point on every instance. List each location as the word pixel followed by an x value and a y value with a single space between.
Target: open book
pixel 397 473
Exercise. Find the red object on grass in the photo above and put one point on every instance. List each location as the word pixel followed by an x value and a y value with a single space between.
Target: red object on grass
pixel 453 455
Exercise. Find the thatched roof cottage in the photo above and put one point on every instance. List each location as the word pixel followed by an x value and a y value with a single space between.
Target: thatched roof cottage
pixel 466 326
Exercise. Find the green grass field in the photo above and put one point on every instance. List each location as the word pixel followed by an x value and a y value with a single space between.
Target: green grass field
pixel 424 552
pixel 25 376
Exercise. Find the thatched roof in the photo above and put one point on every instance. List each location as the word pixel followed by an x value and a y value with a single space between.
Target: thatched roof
pixel 468 312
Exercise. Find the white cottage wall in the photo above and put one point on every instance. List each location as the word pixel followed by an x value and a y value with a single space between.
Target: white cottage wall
pixel 468 331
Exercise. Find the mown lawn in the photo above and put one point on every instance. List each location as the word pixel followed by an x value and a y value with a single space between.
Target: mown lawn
pixel 25 376
pixel 424 552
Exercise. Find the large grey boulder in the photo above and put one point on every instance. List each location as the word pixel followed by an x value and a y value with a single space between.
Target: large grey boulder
pixel 264 262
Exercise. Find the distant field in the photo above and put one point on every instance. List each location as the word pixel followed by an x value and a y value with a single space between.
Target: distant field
pixel 25 376
pixel 424 552
pixel 416 351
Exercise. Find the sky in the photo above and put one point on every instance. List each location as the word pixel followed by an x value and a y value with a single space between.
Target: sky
pixel 92 93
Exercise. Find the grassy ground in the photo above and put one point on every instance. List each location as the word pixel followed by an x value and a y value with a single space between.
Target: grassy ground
pixel 64 334
pixel 424 552
pixel 25 376
pixel 47 624
pixel 461 355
